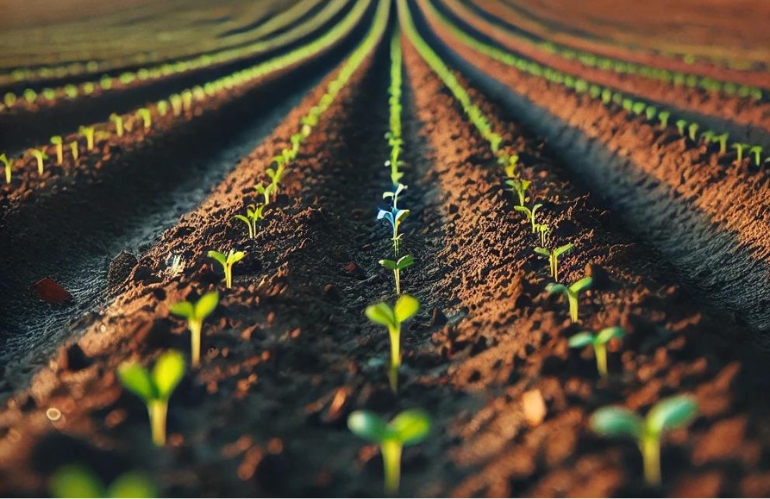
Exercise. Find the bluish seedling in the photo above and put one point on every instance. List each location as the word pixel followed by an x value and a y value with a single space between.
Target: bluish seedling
pixel 598 343
pixel 395 218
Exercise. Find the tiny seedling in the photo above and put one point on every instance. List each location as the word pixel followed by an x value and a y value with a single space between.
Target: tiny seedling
pixel 553 258
pixel 394 217
pixel 680 124
pixel 663 116
pixel 530 214
pixel 693 131
pixel 402 263
pixel 265 191
pixel 145 116
pixel 722 140
pixel 392 318
pixel 572 292
pixel 650 113
pixel 740 148
pixel 519 186
pixel 408 428
pixel 668 414
pixel 118 120
pixel 155 388
pixel 88 133
pixel 756 151
pixel 59 143
pixel 227 262
pixel 195 313
pixel 176 104
pixel 7 165
pixel 162 107
pixel 543 230
pixel 40 156
pixel 598 342
pixel 253 215
pixel 75 150
pixel 74 480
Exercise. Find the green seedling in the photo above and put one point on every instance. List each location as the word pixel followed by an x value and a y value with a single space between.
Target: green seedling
pixel 88 133
pixel 408 428
pixel 49 94
pixel 118 120
pixel 106 82
pixel 265 191
pixel 553 258
pixel 88 88
pixel 530 214
pixel 195 313
pixel 145 116
pixel 638 107
pixel 722 140
pixel 74 480
pixel 740 148
pixel 276 174
pixel 392 318
pixel 162 107
pixel 756 151
pixel 572 292
pixel 708 136
pixel 71 91
pixel 253 215
pixel 510 163
pixel 680 124
pixel 58 142
pixel 693 131
pixel 176 104
pixel 663 116
pixel 519 186
pixel 599 343
pixel 395 217
pixel 227 262
pixel 650 113
pixel 402 263
pixel 9 99
pixel 155 388
pixel 40 156
pixel 187 100
pixel 668 414
pixel 7 164
pixel 543 230
pixel 75 150
pixel 30 96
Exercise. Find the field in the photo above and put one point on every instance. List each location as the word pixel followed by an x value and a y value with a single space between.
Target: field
pixel 403 247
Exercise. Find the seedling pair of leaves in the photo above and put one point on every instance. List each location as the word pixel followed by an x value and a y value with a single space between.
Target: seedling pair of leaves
pixel 155 388
pixel 408 428
pixel 40 156
pixel 75 480
pixel 572 292
pixel 253 215
pixel 227 261
pixel 195 313
pixel 7 165
pixel 530 214
pixel 598 343
pixel 397 266
pixel 553 255
pixel 392 318
pixel 520 186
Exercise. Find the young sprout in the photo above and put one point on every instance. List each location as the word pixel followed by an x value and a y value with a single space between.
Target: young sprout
pixel 145 116
pixel 187 99
pixel 162 107
pixel 118 120
pixel 88 133
pixel 572 292
pixel 756 151
pixel 680 124
pixel 543 230
pixel 708 136
pixel 668 414
pixel 176 104
pixel 58 142
pixel 265 191
pixel 155 388
pixel 663 116
pixel 30 96
pixel 510 163
pixel 638 107
pixel 74 149
pixel 408 428
pixel 195 313
pixel 693 130
pixel 393 195
pixel 740 148
pixel 519 186
pixel 392 318
pixel 553 258
pixel 7 164
pixel 402 263
pixel 74 480
pixel 650 112
pixel 599 344
pixel 227 262
pixel 722 139
pixel 394 217
pixel 275 175
pixel 530 214
pixel 40 156
pixel 253 215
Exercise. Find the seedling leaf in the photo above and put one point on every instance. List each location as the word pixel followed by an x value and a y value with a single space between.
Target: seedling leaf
pixel 75 481
pixel 168 372
pixel 410 427
pixel 183 309
pixel 381 314
pixel 617 422
pixel 405 308
pixel 671 413
pixel 137 380
pixel 368 426
pixel 581 284
pixel 581 339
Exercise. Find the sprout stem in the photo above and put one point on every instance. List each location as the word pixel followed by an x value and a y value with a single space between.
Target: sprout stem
pixel 228 276
pixel 650 447
pixel 572 298
pixel 391 459
pixel 397 274
pixel 195 341
pixel 600 352
pixel 395 356
pixel 158 410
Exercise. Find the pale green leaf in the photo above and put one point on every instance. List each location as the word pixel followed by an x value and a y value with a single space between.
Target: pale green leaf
pixel 410 427
pixel 167 373
pixel 563 249
pixel 132 484
pixel 235 256
pixel 75 481
pixel 137 380
pixel 405 308
pixel 382 314
pixel 206 304
pixel 388 264
pixel 542 251
pixel 609 333
pixel 673 412
pixel 581 339
pixel 183 309
pixel 581 285
pixel 216 255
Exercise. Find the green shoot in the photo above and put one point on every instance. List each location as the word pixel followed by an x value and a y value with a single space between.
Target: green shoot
pixel 408 428
pixel 663 116
pixel 599 344
pixel 9 99
pixel 680 124
pixel 392 318
pixel 195 313
pixel 75 150
pixel 162 107
pixel 7 164
pixel 510 163
pixel 227 262
pixel 638 107
pixel 155 388
pixel 118 120
pixel 530 214
pixel 553 258
pixel 40 156
pixel 58 142
pixel 265 192
pixel 650 112
pixel 668 414
pixel 756 151
pixel 572 293
pixel 253 215
pixel 402 263
pixel 145 116
pixel 722 139
pixel 187 99
pixel 88 133
pixel 519 186
pixel 73 480
pixel 740 148
pixel 708 136
pixel 543 230
pixel 693 131
pixel 176 104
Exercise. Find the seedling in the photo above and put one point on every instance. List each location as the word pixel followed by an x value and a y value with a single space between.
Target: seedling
pixel 155 388
pixel 519 186
pixel 118 120
pixel 75 150
pixel 408 428
pixel 276 174
pixel 58 142
pixel 650 112
pixel 680 124
pixel 145 116
pixel 253 215
pixel 530 214
pixel 176 104
pixel 740 148
pixel 599 344
pixel 40 156
pixel 543 230
pixel 394 217
pixel 392 318
pixel 553 258
pixel 162 107
pixel 265 191
pixel 402 263
pixel 227 262
pixel 195 313
pixel 30 96
pixel 74 480
pixel 756 151
pixel 88 133
pixel 7 164
pixel 722 139
pixel 668 414
pixel 572 292
pixel 393 195
pixel 510 163
pixel 693 130
pixel 663 116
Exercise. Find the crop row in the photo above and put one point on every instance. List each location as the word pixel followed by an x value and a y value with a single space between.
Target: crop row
pixel 182 102
pixel 655 114
pixel 276 23
pixel 30 98
pixel 668 414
